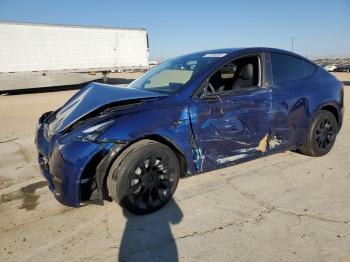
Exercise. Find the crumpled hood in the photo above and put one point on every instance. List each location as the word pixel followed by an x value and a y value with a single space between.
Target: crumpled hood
pixel 92 97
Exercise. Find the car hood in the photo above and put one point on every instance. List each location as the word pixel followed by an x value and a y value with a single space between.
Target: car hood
pixel 91 98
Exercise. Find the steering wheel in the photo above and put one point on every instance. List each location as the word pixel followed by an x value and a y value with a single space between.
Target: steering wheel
pixel 211 88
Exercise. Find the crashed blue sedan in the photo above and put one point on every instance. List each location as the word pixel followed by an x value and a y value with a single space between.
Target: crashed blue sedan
pixel 188 115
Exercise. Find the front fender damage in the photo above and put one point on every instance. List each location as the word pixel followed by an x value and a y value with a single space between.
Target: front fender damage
pixel 98 180
pixel 177 134
pixel 102 170
pixel 92 180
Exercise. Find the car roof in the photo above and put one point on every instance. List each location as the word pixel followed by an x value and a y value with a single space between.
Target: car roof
pixel 248 50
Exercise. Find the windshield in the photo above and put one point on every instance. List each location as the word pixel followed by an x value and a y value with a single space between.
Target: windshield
pixel 173 74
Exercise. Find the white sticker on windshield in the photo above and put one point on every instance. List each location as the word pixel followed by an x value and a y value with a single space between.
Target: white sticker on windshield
pixel 215 55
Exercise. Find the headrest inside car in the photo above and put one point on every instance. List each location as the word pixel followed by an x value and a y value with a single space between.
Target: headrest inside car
pixel 247 72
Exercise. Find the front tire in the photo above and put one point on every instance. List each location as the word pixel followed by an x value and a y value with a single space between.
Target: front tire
pixel 321 134
pixel 144 177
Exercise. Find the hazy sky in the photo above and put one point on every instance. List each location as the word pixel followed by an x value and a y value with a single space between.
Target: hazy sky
pixel 320 27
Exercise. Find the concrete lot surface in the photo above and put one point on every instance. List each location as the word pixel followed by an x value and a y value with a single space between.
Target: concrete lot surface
pixel 285 207
pixel 344 77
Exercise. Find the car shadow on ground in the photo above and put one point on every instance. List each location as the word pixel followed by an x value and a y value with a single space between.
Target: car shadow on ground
pixel 149 237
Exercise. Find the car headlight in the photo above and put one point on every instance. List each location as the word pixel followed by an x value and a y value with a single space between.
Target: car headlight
pixel 91 133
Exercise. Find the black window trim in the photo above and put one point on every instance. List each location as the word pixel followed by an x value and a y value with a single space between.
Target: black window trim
pixel 262 76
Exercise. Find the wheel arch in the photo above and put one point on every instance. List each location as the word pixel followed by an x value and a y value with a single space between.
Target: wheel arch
pixel 334 109
pixel 98 167
pixel 179 153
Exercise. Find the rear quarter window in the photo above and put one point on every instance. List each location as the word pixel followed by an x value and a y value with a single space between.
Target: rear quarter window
pixel 288 68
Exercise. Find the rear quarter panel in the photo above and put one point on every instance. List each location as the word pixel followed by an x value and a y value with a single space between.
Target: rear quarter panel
pixel 328 91
pixel 295 102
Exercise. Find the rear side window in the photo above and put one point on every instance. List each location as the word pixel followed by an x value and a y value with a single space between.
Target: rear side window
pixel 288 68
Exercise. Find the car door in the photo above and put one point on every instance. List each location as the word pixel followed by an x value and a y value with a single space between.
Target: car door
pixel 232 125
pixel 291 87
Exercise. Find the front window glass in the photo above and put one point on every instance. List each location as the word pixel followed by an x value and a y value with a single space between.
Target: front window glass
pixel 239 74
pixel 173 74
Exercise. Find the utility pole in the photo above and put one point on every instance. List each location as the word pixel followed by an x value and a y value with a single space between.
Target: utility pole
pixel 292 38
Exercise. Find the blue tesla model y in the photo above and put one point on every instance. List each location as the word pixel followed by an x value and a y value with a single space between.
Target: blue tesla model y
pixel 188 115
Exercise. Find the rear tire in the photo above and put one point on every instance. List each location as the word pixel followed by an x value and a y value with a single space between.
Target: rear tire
pixel 321 134
pixel 144 177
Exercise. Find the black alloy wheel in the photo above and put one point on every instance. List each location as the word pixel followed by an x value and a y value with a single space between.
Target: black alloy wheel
pixel 321 134
pixel 151 181
pixel 325 133
pixel 144 177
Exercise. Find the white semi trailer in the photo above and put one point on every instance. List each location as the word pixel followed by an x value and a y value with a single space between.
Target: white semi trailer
pixel 37 55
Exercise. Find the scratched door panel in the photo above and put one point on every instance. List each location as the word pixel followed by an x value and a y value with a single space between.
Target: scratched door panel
pixel 232 127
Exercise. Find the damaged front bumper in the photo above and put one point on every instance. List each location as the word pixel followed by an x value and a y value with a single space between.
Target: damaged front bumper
pixel 62 163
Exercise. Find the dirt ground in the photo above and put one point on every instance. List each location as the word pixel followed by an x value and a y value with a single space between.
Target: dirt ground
pixel 285 207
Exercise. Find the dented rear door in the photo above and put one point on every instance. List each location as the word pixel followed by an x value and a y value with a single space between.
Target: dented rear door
pixel 232 126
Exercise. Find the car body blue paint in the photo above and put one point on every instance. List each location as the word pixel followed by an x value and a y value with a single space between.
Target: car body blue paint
pixel 209 132
pixel 92 97
pixel 231 125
